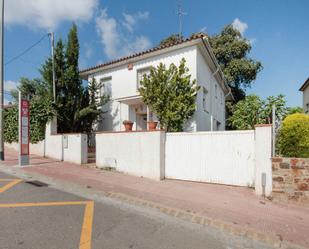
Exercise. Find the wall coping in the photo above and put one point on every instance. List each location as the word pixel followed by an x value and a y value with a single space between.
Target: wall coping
pixel 263 125
pixel 289 158
pixel 127 132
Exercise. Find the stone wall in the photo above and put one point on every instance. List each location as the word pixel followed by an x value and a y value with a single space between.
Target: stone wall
pixel 291 178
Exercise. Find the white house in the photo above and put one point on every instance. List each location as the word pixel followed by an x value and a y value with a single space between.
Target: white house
pixel 121 79
pixel 305 89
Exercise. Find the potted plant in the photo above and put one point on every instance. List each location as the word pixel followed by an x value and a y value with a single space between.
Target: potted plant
pixel 152 125
pixel 128 125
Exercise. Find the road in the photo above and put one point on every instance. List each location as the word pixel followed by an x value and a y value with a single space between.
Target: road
pixel 34 217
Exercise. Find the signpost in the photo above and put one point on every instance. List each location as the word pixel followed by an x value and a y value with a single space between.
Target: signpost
pixel 24 129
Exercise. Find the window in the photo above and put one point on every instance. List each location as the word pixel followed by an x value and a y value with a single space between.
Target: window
pixel 221 98
pixel 205 92
pixel 140 75
pixel 307 105
pixel 106 86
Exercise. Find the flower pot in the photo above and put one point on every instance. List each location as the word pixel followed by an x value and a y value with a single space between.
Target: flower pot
pixel 128 125
pixel 152 125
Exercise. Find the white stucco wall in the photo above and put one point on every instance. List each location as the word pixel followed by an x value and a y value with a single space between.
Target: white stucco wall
pixel 76 151
pixel 306 100
pixel 35 149
pixel 215 105
pixel 77 146
pixel 124 84
pixel 136 153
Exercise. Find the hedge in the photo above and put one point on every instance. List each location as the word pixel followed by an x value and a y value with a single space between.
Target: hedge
pixel 293 140
pixel 40 113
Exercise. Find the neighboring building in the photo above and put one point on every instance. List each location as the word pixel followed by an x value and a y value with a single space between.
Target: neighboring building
pixel 121 79
pixel 305 89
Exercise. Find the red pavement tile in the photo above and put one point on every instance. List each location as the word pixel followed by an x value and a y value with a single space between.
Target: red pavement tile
pixel 236 205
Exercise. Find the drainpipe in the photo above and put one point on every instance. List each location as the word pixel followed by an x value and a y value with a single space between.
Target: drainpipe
pixel 213 58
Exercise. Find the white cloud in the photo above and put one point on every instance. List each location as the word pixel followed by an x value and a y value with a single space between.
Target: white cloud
pixel 130 21
pixel 88 51
pixel 10 85
pixel 116 42
pixel 240 26
pixel 47 14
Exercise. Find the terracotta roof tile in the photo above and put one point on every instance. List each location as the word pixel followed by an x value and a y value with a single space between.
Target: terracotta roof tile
pixel 192 37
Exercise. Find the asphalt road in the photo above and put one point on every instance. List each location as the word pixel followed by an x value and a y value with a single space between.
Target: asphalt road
pixel 33 217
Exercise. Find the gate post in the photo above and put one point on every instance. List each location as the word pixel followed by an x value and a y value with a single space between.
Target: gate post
pixel 263 152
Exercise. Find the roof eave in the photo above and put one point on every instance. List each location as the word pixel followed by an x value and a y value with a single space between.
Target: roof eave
pixel 304 86
pixel 85 73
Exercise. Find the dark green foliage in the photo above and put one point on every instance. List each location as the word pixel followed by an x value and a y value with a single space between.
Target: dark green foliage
pixel 11 124
pixel 170 94
pixel 74 111
pixel 40 113
pixel 250 111
pixel 231 51
pixel 41 110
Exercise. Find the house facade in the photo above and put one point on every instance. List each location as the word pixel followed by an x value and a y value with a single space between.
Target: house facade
pixel 120 80
pixel 305 89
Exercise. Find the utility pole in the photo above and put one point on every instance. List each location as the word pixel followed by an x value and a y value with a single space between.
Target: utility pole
pixel 1 81
pixel 52 43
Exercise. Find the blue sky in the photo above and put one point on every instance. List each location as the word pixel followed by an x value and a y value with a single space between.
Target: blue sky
pixel 278 30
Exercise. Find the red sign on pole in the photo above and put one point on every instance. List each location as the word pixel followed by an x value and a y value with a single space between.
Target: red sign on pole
pixel 24 127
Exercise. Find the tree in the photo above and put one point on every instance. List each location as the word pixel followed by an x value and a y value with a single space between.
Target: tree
pixel 252 110
pixel 172 39
pixel 231 51
pixel 170 94
pixel 92 103
pixel 293 110
pixel 74 108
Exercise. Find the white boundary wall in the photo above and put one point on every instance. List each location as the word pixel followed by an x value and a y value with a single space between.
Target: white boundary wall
pixel 136 153
pixel 35 149
pixel 226 157
pixel 76 150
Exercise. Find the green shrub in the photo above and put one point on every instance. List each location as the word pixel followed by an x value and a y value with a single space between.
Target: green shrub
pixel 293 140
pixel 40 113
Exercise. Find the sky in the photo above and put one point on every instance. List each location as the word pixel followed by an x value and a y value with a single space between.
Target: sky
pixel 277 29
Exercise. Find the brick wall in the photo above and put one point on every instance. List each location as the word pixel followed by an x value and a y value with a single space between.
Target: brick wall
pixel 291 178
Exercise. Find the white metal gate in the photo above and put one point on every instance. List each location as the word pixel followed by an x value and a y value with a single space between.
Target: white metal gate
pixel 216 157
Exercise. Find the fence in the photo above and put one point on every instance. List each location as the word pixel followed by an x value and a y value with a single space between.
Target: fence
pixel 216 157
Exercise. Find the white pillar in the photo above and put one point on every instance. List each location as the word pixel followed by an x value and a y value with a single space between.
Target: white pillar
pixel 263 153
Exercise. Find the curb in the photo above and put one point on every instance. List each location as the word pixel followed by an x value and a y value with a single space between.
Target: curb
pixel 275 241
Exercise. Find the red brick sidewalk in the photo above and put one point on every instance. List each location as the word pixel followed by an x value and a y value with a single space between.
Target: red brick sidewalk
pixel 236 205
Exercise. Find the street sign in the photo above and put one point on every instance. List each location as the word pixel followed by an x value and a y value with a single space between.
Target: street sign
pixel 24 128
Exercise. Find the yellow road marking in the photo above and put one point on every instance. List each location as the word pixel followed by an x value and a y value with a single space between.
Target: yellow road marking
pixel 85 237
pixel 86 233
pixel 11 183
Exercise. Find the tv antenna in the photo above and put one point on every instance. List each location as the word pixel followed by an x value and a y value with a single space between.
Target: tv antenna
pixel 180 14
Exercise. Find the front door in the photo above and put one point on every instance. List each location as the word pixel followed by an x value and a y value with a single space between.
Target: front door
pixel 141 122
